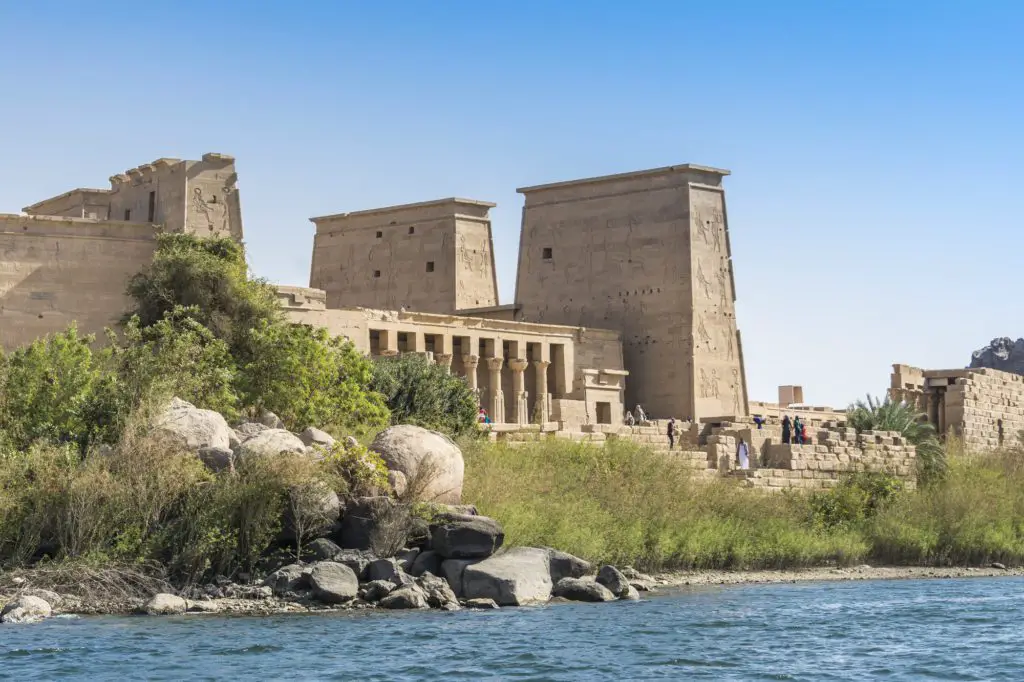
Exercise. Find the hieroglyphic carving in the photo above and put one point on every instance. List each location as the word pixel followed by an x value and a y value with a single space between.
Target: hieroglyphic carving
pixel 705 386
pixel 730 346
pixel 723 288
pixel 202 208
pixel 714 383
pixel 700 226
pixel 702 334
pixel 703 281
pixel 736 398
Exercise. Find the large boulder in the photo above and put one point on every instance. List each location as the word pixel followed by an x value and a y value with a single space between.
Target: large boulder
pixel 565 565
pixel 431 462
pixel 313 508
pixel 315 437
pixel 323 549
pixel 360 521
pixel 1003 354
pixel 290 578
pixel 458 536
pixel 408 597
pixel 333 583
pixel 217 459
pixel 453 571
pixel 193 428
pixel 518 576
pixel 375 590
pixel 247 430
pixel 581 589
pixel 270 443
pixel 164 604
pixel 610 577
pixel 384 569
pixel 25 609
pixel 426 562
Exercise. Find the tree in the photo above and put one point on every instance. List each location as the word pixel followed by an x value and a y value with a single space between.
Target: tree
pixel 307 377
pixel 45 390
pixel 421 392
pixel 210 277
pixel 889 415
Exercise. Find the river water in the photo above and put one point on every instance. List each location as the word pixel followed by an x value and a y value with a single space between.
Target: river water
pixel 916 629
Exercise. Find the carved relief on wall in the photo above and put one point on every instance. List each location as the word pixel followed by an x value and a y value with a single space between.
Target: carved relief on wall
pixel 703 281
pixel 730 346
pixel 202 209
pixel 723 288
pixel 709 383
pixel 736 398
pixel 702 334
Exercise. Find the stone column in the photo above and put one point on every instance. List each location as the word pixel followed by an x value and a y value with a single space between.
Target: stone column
pixel 518 365
pixel 497 395
pixel 445 360
pixel 543 397
pixel 470 362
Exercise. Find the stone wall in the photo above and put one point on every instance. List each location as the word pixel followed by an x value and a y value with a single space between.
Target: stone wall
pixel 647 254
pixel 55 271
pixel 431 257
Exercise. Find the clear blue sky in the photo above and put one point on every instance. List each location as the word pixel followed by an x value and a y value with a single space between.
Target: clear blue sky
pixel 876 147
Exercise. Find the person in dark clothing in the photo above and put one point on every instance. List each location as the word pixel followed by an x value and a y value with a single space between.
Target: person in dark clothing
pixel 798 430
pixel 759 421
pixel 786 429
pixel 671 432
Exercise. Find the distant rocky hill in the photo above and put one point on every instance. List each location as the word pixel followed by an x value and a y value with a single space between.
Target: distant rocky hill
pixel 1004 354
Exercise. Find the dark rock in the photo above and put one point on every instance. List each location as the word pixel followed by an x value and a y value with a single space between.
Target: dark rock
pixel 457 536
pixel 217 459
pixel 333 582
pixel 419 534
pixel 407 557
pixel 610 577
pixel 641 585
pixel 453 571
pixel 323 549
pixel 439 594
pixel 383 569
pixel 427 562
pixel 376 590
pixel 564 565
pixel 580 589
pixel 360 519
pixel 355 559
pixel 1003 354
pixel 408 597
pixel 287 579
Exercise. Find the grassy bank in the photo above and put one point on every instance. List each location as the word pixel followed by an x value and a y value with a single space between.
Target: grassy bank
pixel 625 505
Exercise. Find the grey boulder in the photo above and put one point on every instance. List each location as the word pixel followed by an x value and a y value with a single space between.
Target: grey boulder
pixel 518 576
pixel 565 565
pixel 290 578
pixel 164 604
pixel 25 609
pixel 376 590
pixel 581 589
pixel 427 562
pixel 430 461
pixel 408 597
pixel 610 577
pixel 438 592
pixel 193 428
pixel 314 437
pixel 270 443
pixel 217 459
pixel 333 583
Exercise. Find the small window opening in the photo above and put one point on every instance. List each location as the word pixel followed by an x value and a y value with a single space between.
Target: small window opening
pixel 376 273
pixel 127 214
pixel 379 234
pixel 152 206
pixel 430 266
pixel 412 229
pixel 547 253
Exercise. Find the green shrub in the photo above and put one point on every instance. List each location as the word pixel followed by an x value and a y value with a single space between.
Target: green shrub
pixel 856 498
pixel 46 388
pixel 424 393
pixel 308 377
pixel 889 415
pixel 356 471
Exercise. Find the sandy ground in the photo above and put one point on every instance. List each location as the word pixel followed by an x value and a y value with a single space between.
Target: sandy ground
pixel 679 579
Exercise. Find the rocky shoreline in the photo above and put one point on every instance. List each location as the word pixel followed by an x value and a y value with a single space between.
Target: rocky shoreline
pixel 25 603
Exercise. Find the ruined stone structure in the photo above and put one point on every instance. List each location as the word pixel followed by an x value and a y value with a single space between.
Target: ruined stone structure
pixel 647 254
pixel 70 258
pixel 982 407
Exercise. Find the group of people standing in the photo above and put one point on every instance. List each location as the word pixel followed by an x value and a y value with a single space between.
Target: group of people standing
pixel 794 431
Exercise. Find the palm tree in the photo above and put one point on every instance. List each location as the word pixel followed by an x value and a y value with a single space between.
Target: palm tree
pixel 913 426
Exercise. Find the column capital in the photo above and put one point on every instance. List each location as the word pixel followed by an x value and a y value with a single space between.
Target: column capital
pixel 541 364
pixel 495 364
pixel 443 358
pixel 518 364
pixel 389 352
pixel 470 360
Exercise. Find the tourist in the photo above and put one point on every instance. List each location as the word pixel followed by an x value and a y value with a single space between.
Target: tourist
pixel 803 433
pixel 759 421
pixel 786 430
pixel 797 431
pixel 641 416
pixel 742 455
pixel 481 416
pixel 629 418
pixel 671 432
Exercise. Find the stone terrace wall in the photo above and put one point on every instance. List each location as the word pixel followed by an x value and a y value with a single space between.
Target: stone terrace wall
pixel 54 271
